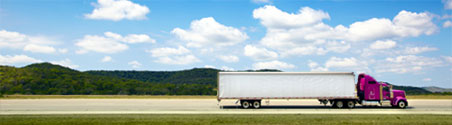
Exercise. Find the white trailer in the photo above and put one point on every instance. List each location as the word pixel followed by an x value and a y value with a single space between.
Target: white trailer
pixel 251 87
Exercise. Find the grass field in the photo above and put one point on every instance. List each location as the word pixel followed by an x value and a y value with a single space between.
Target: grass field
pixel 161 97
pixel 226 119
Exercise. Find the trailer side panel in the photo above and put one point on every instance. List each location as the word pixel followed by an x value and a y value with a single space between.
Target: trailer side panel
pixel 261 85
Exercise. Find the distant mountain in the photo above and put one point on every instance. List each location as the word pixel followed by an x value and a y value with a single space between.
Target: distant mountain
pixel 437 89
pixel 47 78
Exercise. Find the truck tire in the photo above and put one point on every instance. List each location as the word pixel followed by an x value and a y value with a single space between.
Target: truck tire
pixel 351 104
pixel 257 104
pixel 339 104
pixel 402 104
pixel 245 104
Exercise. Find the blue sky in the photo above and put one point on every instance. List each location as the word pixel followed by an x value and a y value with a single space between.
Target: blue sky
pixel 401 42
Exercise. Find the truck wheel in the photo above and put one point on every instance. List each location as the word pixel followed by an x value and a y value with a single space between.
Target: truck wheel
pixel 257 104
pixel 245 104
pixel 339 104
pixel 351 104
pixel 402 104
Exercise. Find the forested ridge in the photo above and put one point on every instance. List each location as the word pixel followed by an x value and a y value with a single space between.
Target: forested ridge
pixel 50 79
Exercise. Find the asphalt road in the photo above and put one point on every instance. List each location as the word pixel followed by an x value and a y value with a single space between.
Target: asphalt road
pixel 204 106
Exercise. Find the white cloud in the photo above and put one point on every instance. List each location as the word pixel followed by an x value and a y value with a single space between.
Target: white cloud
pixel 135 64
pixel 427 79
pixel 417 50
pixel 314 66
pixel 407 63
pixel 229 58
pixel 338 47
pixel 110 42
pixel 447 4
pixel 208 32
pixel 160 52
pixel 100 44
pixel 227 68
pixel 261 1
pixel 39 48
pixel 447 24
pixel 117 10
pixel 8 60
pixel 290 34
pixel 176 56
pixel 259 53
pixel 12 39
pixel 209 66
pixel 273 65
pixel 130 38
pixel 66 62
pixel 178 60
pixel 305 50
pixel 379 44
pixel 341 62
pixel 106 59
pixel 272 17
pixel 62 50
pixel 35 44
pixel 448 59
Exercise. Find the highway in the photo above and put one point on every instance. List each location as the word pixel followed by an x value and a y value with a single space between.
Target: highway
pixel 205 106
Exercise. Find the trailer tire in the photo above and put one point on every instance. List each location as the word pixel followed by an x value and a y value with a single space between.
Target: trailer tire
pixel 245 104
pixel 351 104
pixel 257 104
pixel 402 104
pixel 339 104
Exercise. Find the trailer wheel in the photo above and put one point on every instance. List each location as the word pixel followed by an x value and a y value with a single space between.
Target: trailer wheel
pixel 351 104
pixel 402 104
pixel 257 104
pixel 339 104
pixel 245 104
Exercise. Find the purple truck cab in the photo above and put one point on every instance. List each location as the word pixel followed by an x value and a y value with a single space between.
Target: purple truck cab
pixel 371 92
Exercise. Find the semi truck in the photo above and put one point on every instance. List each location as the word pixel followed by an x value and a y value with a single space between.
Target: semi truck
pixel 337 89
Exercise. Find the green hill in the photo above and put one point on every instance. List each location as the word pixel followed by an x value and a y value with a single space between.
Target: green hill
pixel 48 79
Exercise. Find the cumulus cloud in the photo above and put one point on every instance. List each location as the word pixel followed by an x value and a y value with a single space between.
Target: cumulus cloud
pixel 379 44
pixel 177 56
pixel 178 60
pixel 100 44
pixel 106 59
pixel 135 64
pixel 447 24
pixel 39 48
pixel 314 66
pixel 342 64
pixel 110 42
pixel 259 53
pixel 225 68
pixel 117 10
pixel 66 62
pixel 273 65
pixel 272 17
pixel 35 44
pixel 208 32
pixel 417 50
pixel 304 33
pixel 16 59
pixel 261 1
pixel 229 58
pixel 407 63
pixel 166 51
pixel 447 4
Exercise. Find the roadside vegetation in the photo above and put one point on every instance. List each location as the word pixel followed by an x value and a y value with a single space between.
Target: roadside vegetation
pixel 225 119
pixel 50 79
